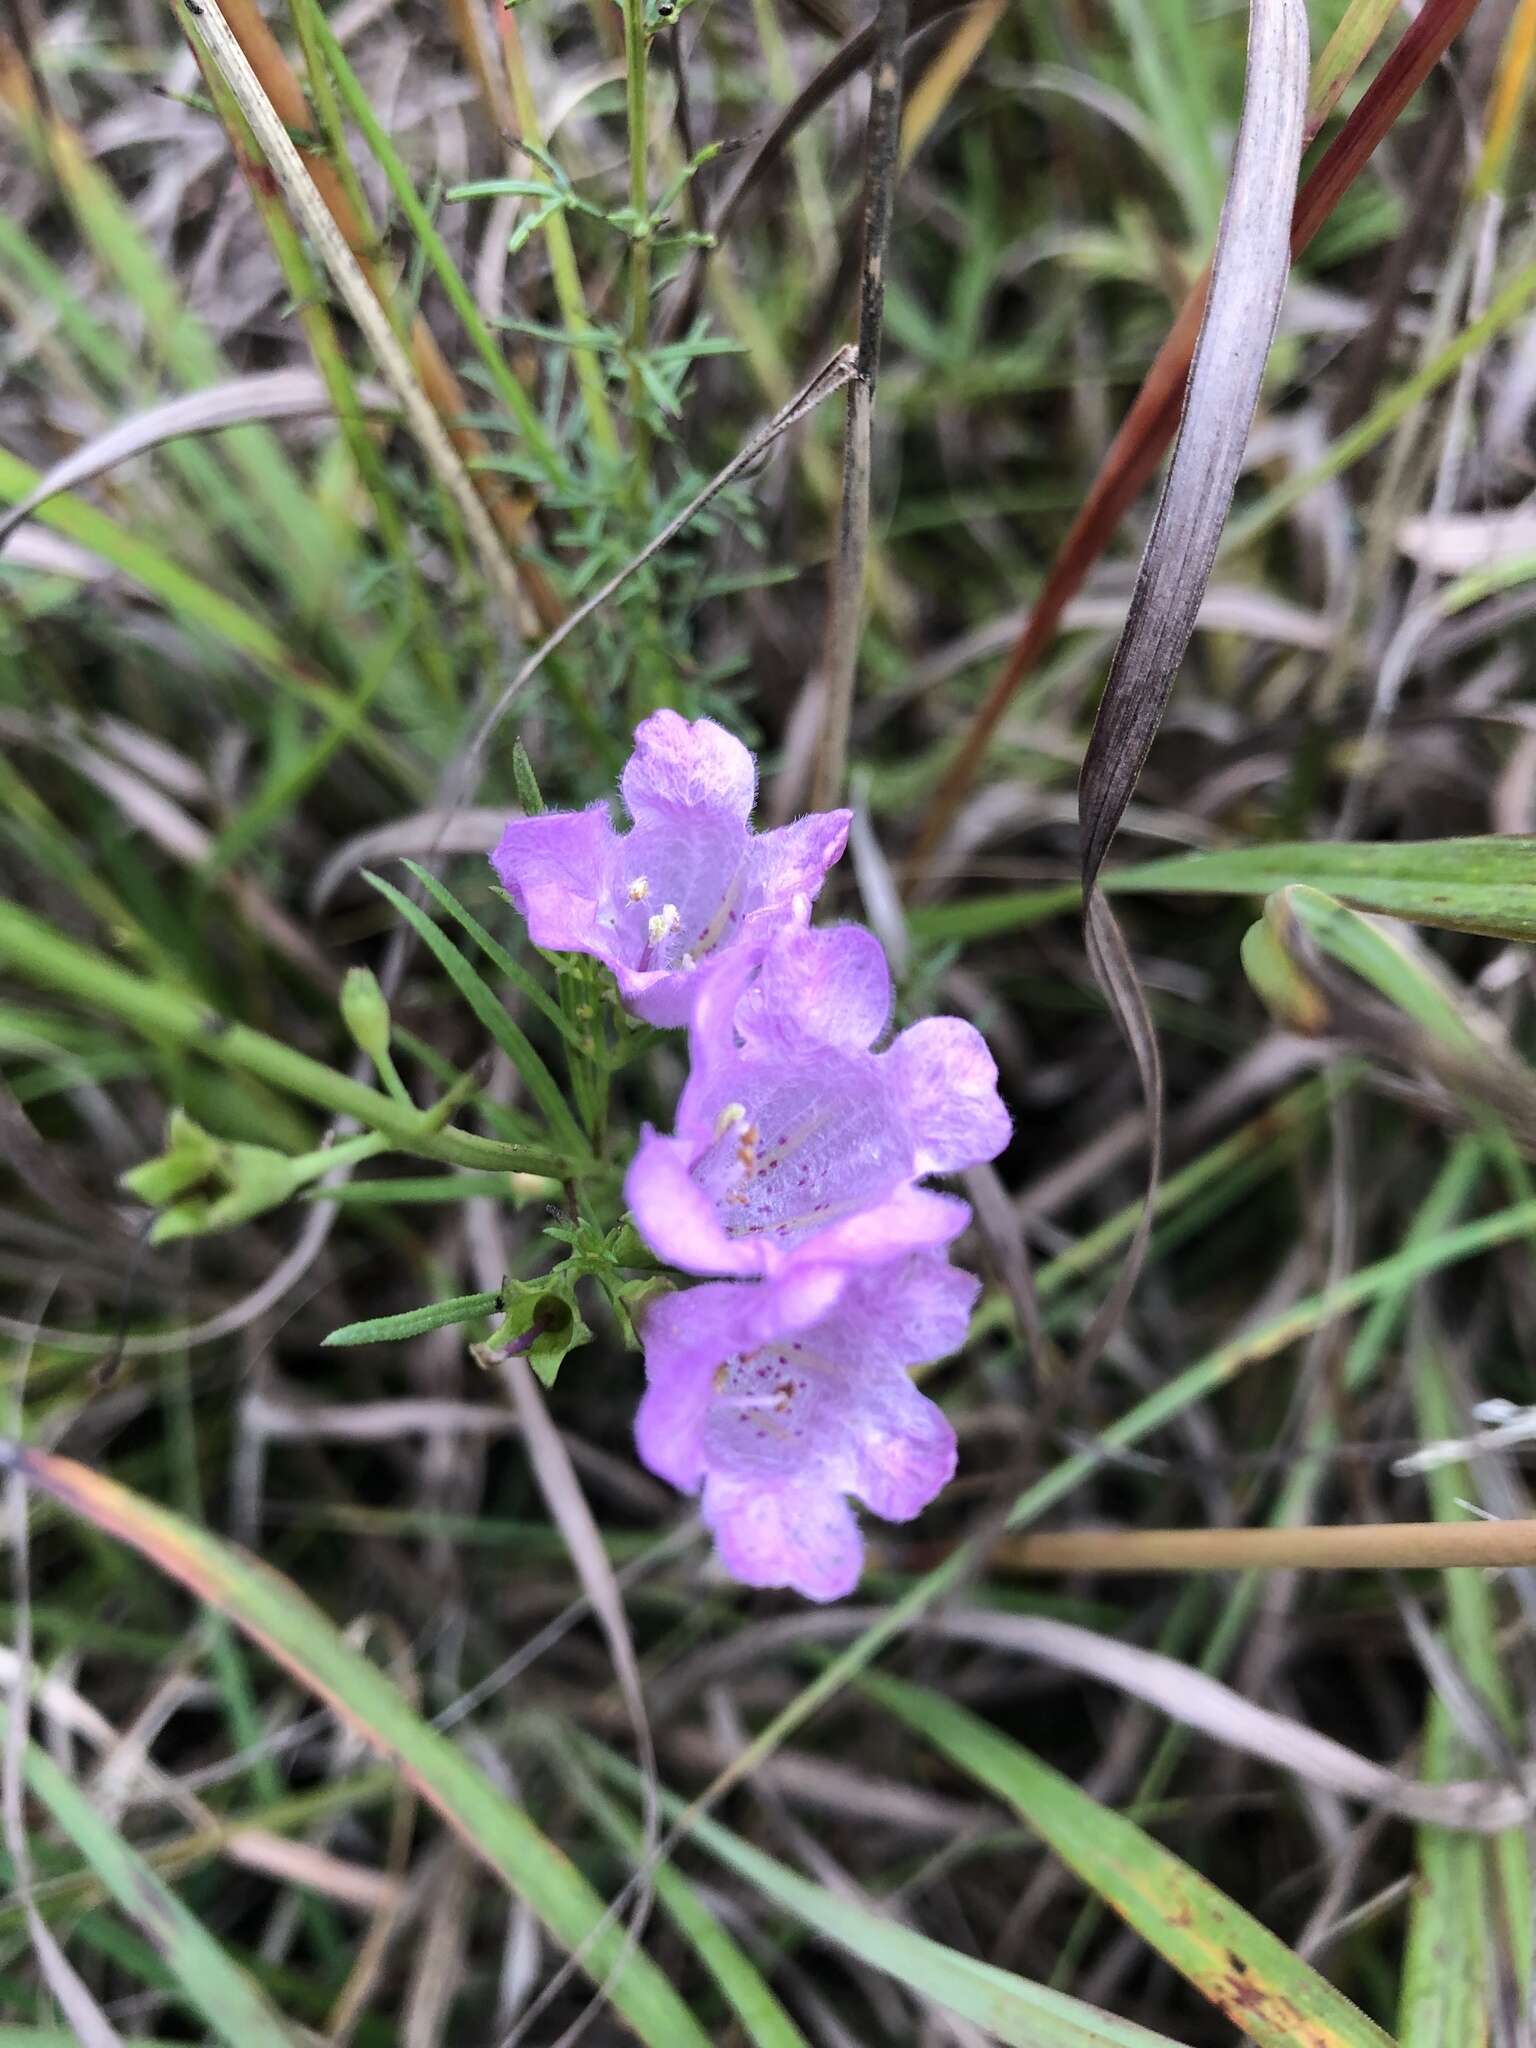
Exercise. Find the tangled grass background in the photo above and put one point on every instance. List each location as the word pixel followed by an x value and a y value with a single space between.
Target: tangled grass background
pixel 403 403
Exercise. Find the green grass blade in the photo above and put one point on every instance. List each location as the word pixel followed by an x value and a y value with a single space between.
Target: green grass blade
pixel 274 1614
pixel 764 2020
pixel 433 247
pixel 50 2037
pixel 1485 885
pixel 1012 2009
pixel 1346 49
pixel 209 1982
pixel 195 605
pixel 1229 1957
pixel 1457 1875
pixel 498 955
pixel 299 535
pixel 539 1081
pixel 1444 1963
pixel 32 949
pixel 1195 1383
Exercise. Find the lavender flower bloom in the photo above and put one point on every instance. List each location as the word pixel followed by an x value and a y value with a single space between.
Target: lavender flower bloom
pixel 688 884
pixel 780 1398
pixel 795 1142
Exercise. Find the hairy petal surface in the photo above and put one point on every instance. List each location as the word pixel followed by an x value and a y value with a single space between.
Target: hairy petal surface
pixel 689 884
pixel 779 1399
pixel 794 1140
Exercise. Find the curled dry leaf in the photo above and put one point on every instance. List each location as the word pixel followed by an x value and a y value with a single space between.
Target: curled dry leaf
pixel 1242 306
pixel 266 395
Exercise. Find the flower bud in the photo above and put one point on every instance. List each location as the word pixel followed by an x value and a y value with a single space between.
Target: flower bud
pixel 365 1013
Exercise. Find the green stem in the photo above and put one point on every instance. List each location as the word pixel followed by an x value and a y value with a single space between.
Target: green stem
pixel 430 242
pixel 45 957
pixel 563 271
pixel 635 51
pixel 350 1152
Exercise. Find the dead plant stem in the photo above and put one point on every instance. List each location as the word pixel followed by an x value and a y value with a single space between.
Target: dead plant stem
pixel 1368 1546
pixel 846 597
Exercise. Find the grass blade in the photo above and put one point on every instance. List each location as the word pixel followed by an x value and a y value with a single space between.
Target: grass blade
pixel 1247 1972
pixel 1242 306
pixel 1445 1998
pixel 42 956
pixel 765 2021
pixel 274 1614
pixel 196 606
pixel 210 1983
pixel 266 395
pixel 1150 424
pixel 498 955
pixel 1011 2008
pixel 400 371
pixel 376 135
pixel 1483 885
pixel 1248 274
pixel 539 1081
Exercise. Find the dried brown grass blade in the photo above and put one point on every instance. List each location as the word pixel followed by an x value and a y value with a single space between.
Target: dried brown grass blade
pixel 1242 306
pixel 267 395
pixel 845 63
pixel 1248 274
pixel 279 84
pixel 1153 418
pixel 845 609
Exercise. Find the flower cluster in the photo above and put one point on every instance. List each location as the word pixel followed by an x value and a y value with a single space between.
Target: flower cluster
pixel 792 1178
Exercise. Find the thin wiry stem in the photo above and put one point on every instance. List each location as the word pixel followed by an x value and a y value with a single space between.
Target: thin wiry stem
pixel 636 44
pixel 565 277
pixel 846 605
pixel 826 380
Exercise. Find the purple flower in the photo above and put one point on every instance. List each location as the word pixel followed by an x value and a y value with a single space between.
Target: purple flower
pixel 688 884
pixel 794 1141
pixel 781 1397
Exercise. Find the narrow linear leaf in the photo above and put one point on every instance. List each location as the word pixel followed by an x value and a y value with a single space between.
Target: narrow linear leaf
pixel 194 603
pixel 1445 1958
pixel 1467 1891
pixel 498 955
pixel 266 395
pixel 50 2037
pixel 1275 1998
pixel 1485 885
pixel 415 1322
pixel 539 1081
pixel 43 957
pixel 273 1613
pixel 427 239
pixel 441 1187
